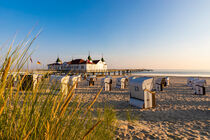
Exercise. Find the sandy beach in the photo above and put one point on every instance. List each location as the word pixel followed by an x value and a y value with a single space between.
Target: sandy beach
pixel 179 114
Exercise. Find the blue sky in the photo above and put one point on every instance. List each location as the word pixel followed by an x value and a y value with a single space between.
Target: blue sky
pixel 159 34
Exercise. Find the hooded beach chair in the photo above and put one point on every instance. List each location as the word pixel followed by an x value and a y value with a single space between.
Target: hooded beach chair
pixel 60 83
pixel 141 94
pixel 200 87
pixel 91 80
pixel 106 83
pixel 122 82
pixel 160 83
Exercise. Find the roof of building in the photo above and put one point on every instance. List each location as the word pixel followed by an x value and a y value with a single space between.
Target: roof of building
pixel 95 61
pixel 76 61
pixel 81 61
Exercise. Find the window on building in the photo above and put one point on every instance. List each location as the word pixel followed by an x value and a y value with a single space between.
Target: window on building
pixel 82 67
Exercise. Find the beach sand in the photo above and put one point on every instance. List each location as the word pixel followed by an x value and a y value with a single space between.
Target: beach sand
pixel 179 114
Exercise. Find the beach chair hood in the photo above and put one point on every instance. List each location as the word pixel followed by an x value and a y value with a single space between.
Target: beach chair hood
pixel 138 85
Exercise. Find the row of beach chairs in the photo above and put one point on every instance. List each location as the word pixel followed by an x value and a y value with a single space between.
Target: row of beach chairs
pixel 121 83
pixel 29 81
pixel 65 83
pixel 141 94
pixel 141 89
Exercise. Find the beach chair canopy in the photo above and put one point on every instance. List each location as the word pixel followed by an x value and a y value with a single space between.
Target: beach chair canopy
pixel 138 85
pixel 93 77
pixel 194 81
pixel 160 81
pixel 167 78
pixel 12 76
pixel 107 76
pixel 143 82
pixel 121 79
pixel 131 78
pixel 59 79
pixel 200 83
pixel 73 79
pixel 108 80
pixel 34 77
pixel 191 79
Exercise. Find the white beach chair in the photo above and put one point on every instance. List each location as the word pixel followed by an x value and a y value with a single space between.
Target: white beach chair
pixel 140 92
pixel 73 81
pixel 194 83
pixel 60 82
pixel 79 78
pixel 91 80
pixel 200 87
pixel 107 82
pixel 158 84
pixel 29 81
pixel 122 82
pixel 190 81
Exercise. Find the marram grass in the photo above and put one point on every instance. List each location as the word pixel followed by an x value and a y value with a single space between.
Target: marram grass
pixel 44 113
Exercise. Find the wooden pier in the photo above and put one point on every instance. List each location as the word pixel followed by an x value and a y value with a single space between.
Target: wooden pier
pixel 94 72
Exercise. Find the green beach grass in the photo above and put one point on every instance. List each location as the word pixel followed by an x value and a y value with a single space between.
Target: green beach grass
pixel 42 114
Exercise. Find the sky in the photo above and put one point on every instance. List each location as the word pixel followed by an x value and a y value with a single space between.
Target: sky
pixel 153 34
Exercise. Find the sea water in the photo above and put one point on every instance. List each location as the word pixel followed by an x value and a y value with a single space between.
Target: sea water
pixel 184 73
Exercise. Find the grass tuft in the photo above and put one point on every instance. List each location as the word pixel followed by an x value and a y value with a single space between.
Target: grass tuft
pixel 44 111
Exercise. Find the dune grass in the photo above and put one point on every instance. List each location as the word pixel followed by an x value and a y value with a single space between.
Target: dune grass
pixel 45 112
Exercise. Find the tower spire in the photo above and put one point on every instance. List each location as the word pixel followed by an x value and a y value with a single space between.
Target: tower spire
pixel 58 61
pixel 89 58
pixel 102 58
